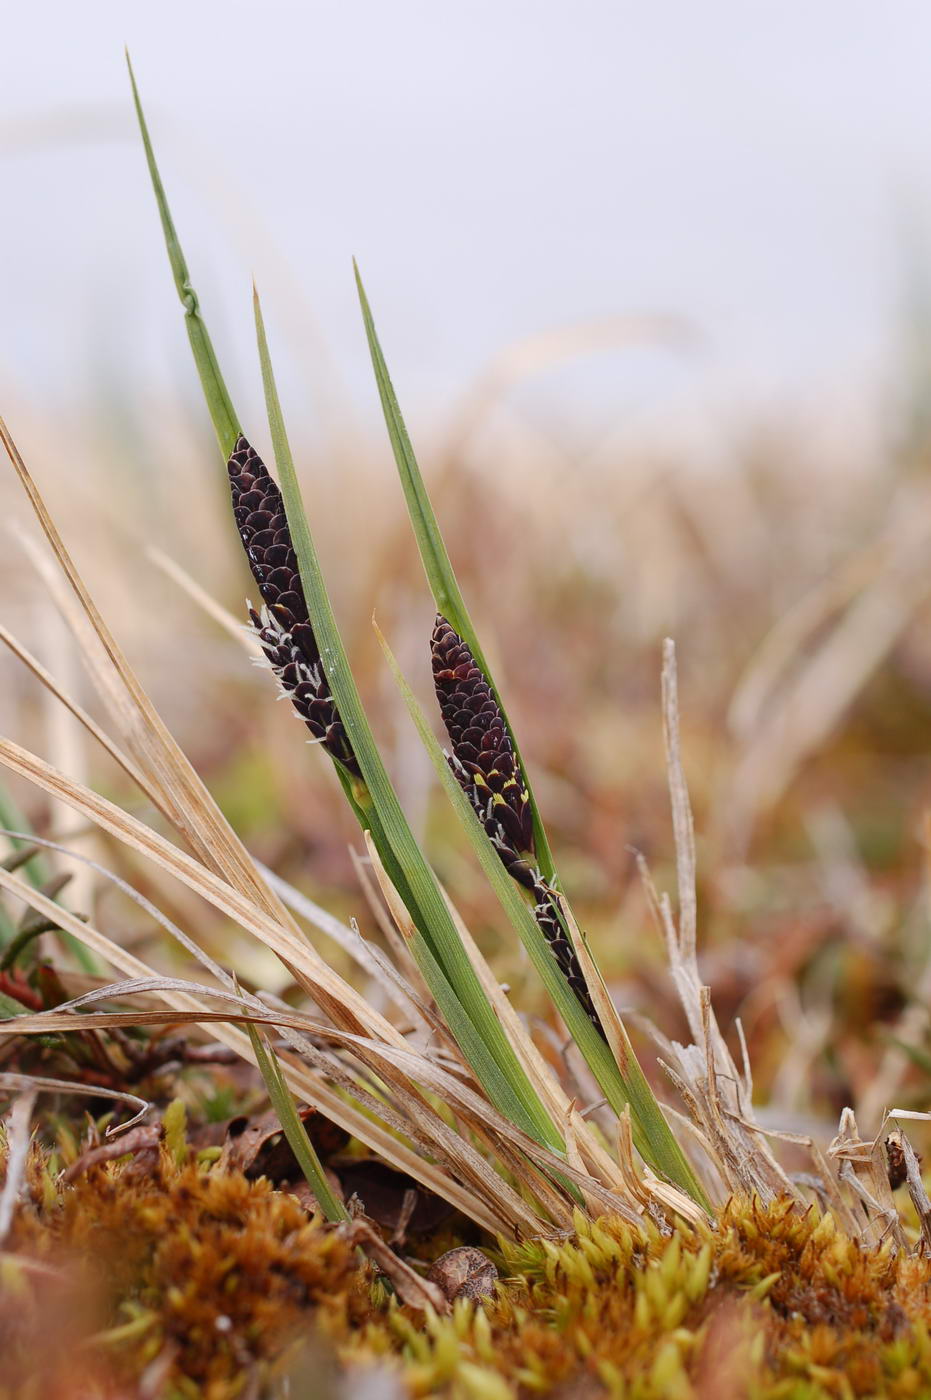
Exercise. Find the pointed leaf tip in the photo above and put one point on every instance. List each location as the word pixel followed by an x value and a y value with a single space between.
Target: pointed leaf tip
pixel 219 404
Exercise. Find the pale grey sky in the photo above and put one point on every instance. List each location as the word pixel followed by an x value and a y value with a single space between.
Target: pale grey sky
pixel 499 167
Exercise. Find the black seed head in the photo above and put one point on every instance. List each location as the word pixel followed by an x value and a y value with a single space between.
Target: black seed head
pixel 484 762
pixel 482 754
pixel 283 625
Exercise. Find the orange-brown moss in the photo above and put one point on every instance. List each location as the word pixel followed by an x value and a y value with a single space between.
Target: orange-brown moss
pixel 214 1274
pixel 218 1281
pixel 772 1303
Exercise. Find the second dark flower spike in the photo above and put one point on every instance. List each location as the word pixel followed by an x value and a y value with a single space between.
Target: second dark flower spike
pixel 484 762
pixel 283 626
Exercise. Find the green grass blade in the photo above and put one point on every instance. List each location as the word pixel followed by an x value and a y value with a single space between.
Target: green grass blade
pixel 437 564
pixel 289 1118
pixel 470 1015
pixel 436 561
pixel 653 1136
pixel 374 802
pixel 222 413
pixel 621 1085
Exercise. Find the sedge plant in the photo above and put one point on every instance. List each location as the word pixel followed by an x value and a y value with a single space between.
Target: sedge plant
pixel 300 638
pixel 436 1074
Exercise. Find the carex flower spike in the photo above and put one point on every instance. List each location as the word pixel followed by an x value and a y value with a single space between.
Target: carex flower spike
pixel 283 625
pixel 484 762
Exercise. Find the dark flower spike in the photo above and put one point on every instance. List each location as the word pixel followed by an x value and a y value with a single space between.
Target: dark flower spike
pixel 483 761
pixel 483 757
pixel 283 626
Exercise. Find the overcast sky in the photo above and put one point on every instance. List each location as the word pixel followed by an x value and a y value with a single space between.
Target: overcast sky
pixel 498 167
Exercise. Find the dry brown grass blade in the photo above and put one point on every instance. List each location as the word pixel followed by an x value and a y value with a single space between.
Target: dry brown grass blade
pixel 396 941
pixel 225 874
pixel 712 1086
pixel 32 663
pixel 285 940
pixel 648 1189
pixel 682 825
pixel 570 1125
pixel 184 1008
pixel 627 1163
pixel 396 906
pixel 241 632
pixel 133 967
pixel 470 1105
pixel 183 797
pixel 42 1084
pixel 366 956
pixel 187 1008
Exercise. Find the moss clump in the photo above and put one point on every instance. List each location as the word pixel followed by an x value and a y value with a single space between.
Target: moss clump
pixel 772 1303
pixel 202 1275
pixel 208 1287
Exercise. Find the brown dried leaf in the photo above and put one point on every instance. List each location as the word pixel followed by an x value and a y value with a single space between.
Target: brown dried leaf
pixel 258 1147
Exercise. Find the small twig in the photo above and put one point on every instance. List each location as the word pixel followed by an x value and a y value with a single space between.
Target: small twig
pixel 135 1141
pixel 413 1290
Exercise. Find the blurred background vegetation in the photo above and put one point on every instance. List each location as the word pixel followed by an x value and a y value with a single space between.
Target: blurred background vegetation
pixel 661 459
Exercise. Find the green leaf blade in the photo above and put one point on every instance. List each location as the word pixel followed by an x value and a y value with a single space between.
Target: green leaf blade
pixel 653 1137
pixel 454 982
pixel 434 555
pixel 283 1103
pixel 222 414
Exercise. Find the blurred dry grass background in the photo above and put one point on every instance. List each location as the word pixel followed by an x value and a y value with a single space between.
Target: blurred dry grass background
pixel 796 586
